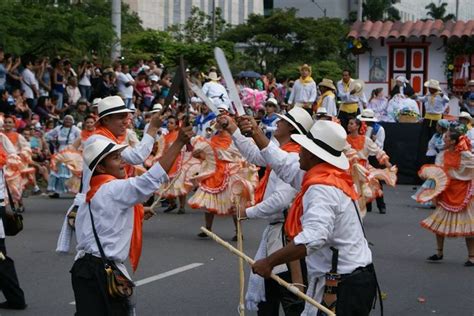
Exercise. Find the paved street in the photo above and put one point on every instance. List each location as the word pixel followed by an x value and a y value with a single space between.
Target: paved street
pixel 183 275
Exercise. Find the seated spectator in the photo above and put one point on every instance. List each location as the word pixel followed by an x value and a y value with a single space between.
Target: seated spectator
pixel 378 103
pixel 45 109
pixel 7 107
pixel 81 111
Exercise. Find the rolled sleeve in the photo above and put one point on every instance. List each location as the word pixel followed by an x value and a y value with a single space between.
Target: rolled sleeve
pixel 318 219
pixel 138 154
pixel 286 165
pixel 248 149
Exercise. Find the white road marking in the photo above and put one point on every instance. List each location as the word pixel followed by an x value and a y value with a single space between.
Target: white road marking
pixel 163 275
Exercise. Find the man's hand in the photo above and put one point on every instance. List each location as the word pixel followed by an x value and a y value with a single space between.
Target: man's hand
pixel 185 134
pixel 242 213
pixel 227 123
pixel 148 213
pixel 155 124
pixel 263 268
pixel 247 124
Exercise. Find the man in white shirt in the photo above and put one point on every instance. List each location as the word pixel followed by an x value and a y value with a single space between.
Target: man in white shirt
pixel 215 91
pixel 304 90
pixel 112 125
pixel 323 220
pixel 327 100
pixel 125 84
pixel 110 212
pixel 29 84
pixel 272 198
pixel 9 285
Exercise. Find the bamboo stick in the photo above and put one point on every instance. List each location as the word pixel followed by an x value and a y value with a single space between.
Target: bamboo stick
pixel 241 269
pixel 293 289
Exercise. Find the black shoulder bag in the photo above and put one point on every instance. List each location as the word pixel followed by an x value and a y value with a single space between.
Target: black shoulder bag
pixel 118 285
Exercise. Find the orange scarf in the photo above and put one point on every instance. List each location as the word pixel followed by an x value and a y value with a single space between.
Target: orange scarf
pixel 136 240
pixel 85 134
pixel 102 130
pixel 325 174
pixel 452 158
pixel 12 136
pixel 290 147
pixel 356 142
pixel 221 141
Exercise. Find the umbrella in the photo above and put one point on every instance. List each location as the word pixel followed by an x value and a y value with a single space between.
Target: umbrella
pixel 249 74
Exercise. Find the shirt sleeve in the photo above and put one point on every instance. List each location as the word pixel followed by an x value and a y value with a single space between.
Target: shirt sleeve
pixel 320 204
pixel 314 93
pixel 248 149
pixel 286 165
pixel 138 154
pixel 134 190
pixel 278 200
pixel 291 99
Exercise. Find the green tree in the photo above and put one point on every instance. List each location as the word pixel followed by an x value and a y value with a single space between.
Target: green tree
pixel 439 12
pixel 198 27
pixel 281 39
pixel 377 10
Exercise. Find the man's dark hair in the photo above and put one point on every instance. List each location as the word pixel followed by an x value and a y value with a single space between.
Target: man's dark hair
pixel 348 71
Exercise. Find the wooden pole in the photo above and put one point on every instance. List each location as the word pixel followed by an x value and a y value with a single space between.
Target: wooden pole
pixel 290 287
pixel 241 267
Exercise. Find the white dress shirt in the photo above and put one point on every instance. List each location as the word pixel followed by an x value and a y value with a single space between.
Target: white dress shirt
pixel 329 103
pixel 437 105
pixel 379 136
pixel 27 82
pixel 216 92
pixel 329 219
pixel 112 209
pixel 303 93
pixel 342 92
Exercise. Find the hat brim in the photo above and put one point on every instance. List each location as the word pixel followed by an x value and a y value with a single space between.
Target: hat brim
pixel 155 111
pixel 427 85
pixel 366 119
pixel 107 150
pixel 327 86
pixel 286 118
pixel 340 162
pixel 116 112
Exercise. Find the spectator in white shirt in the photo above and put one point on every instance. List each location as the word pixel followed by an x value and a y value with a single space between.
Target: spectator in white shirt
pixel 29 84
pixel 125 84
pixel 215 91
pixel 85 75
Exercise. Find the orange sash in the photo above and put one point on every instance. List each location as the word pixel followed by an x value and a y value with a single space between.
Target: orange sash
pixel 85 134
pixel 322 173
pixel 12 136
pixel 217 182
pixel 136 240
pixel 290 147
pixel 356 142
pixel 101 130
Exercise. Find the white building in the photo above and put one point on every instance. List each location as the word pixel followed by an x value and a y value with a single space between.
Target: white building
pixel 160 14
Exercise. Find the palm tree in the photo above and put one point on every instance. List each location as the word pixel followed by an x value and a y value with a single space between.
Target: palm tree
pixel 439 12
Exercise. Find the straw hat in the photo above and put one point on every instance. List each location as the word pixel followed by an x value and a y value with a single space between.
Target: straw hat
pixel 213 76
pixel 196 100
pixel 156 108
pixel 433 84
pixel 358 86
pixel 305 66
pixel 326 140
pixel 299 118
pixel 95 102
pixel 328 83
pixel 367 115
pixel 321 111
pixel 223 107
pixel 154 78
pixel 98 150
pixel 466 115
pixel 402 79
pixel 112 105
pixel 273 102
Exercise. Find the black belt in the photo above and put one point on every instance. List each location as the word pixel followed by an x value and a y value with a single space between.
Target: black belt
pixel 89 257
pixel 367 268
pixel 276 223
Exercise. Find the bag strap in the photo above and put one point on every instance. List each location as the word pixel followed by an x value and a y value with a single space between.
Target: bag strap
pixel 101 250
pixel 379 292
pixel 10 198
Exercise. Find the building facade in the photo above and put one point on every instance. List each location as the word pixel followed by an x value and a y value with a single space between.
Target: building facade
pixel 160 14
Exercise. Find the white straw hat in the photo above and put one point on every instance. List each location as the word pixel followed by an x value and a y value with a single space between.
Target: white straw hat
pixel 433 84
pixel 466 115
pixel 98 150
pixel 95 102
pixel 326 140
pixel 156 108
pixel 112 105
pixel 196 100
pixel 223 106
pixel 299 118
pixel 213 76
pixel 367 115
pixel 328 83
pixel 321 111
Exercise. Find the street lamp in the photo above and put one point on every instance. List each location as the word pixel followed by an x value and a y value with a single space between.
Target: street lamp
pixel 320 8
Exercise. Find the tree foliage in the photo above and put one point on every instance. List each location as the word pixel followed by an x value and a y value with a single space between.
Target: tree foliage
pixel 283 39
pixel 377 10
pixel 37 27
pixel 439 12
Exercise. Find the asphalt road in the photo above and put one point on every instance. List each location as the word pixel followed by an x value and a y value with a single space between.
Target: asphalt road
pixel 183 275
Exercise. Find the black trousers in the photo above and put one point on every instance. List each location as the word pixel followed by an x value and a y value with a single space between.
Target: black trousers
pixel 428 128
pixel 379 201
pixel 89 283
pixel 9 280
pixel 276 294
pixel 356 293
